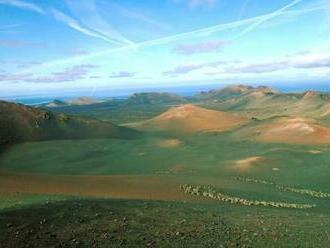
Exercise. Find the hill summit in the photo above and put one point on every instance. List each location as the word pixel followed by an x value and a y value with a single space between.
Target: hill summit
pixel 19 123
pixel 236 91
pixel 189 118
pixel 155 98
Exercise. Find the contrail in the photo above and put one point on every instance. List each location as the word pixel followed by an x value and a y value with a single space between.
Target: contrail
pixel 23 5
pixel 88 14
pixel 72 23
pixel 253 22
pixel 266 18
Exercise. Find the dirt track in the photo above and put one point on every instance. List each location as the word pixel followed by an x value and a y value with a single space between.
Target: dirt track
pixel 117 186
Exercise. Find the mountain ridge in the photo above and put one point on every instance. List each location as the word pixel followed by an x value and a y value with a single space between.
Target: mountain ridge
pixel 20 123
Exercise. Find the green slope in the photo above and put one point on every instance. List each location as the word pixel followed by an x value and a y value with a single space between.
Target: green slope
pixel 19 123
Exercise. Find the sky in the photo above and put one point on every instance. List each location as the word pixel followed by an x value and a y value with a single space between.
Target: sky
pixel 51 46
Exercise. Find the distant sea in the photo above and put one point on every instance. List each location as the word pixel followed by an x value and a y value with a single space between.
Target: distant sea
pixel 35 100
pixel 106 94
pixel 186 91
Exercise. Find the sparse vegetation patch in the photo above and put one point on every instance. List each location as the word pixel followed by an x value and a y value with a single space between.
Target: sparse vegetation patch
pixel 313 193
pixel 210 192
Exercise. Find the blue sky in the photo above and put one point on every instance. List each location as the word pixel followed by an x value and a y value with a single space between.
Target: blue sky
pixel 53 46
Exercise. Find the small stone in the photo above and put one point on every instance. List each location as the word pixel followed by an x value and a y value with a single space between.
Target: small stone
pixel 43 221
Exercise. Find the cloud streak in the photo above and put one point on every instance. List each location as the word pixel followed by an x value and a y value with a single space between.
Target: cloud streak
pixel 4 77
pixel 267 17
pixel 72 23
pixel 88 14
pixel 69 74
pixel 303 60
pixel 95 26
pixel 19 44
pixel 201 47
pixel 23 5
pixel 187 68
pixel 298 61
pixel 193 34
pixel 122 74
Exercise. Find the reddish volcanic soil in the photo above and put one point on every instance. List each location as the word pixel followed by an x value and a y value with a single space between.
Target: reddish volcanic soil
pixel 114 186
pixel 189 119
pixel 294 131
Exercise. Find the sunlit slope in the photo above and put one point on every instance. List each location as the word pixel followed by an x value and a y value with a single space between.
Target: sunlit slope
pixel 235 91
pixel 20 123
pixel 252 102
pixel 137 107
pixel 189 118
pixel 264 102
pixel 288 130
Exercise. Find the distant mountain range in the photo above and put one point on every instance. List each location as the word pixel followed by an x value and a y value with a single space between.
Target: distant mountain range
pixel 264 100
pixel 260 113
